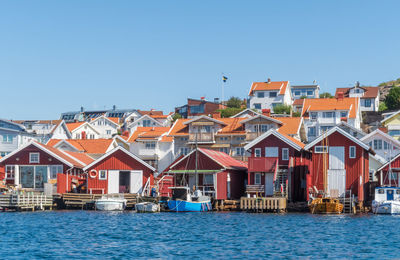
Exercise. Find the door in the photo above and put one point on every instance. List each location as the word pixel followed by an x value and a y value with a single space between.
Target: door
pixel 389 194
pixel 113 181
pixel 269 184
pixel 27 176
pixel 136 182
pixel 40 176
pixel 336 172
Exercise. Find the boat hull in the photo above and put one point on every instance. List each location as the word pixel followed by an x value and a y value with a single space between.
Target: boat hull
pixel 325 206
pixel 386 207
pixel 110 205
pixel 147 207
pixel 189 206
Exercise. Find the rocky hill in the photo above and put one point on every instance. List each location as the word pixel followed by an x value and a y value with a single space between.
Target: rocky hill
pixel 384 87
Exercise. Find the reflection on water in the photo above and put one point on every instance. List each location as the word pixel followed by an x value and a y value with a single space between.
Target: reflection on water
pixel 91 234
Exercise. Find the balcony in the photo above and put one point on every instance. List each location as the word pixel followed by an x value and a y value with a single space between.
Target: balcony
pixel 148 153
pixel 262 164
pixel 250 136
pixel 202 138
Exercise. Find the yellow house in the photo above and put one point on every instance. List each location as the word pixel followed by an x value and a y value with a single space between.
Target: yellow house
pixel 392 123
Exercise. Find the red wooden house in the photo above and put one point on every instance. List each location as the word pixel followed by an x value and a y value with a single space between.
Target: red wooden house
pixel 216 173
pixel 279 164
pixel 119 171
pixel 389 173
pixel 346 161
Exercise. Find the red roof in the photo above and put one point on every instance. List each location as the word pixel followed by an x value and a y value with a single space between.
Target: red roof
pixel 72 126
pixel 223 159
pixel 370 92
pixel 96 146
pixel 59 153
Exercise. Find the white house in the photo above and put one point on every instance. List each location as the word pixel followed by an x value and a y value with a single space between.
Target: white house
pixel 44 130
pixel 308 91
pixel 385 146
pixel 266 95
pixel 144 121
pixel 369 96
pixel 83 130
pixel 321 114
pixel 107 127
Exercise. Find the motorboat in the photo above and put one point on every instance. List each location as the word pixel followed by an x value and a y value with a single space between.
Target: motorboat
pixel 183 200
pixel 111 203
pixel 387 200
pixel 147 207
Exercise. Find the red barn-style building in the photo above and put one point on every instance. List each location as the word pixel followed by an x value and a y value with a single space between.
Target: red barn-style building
pixel 279 164
pixel 218 175
pixel 389 173
pixel 347 163
pixel 119 171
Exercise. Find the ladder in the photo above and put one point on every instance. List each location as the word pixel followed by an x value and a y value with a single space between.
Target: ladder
pixel 348 202
pixel 281 177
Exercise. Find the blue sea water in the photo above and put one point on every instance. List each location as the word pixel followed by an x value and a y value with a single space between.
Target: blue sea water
pixel 103 235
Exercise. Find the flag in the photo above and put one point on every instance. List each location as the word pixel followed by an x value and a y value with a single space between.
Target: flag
pixel 224 78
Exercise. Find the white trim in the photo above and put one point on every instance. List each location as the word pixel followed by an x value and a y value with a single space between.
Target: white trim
pixel 255 174
pixel 394 114
pixel 141 119
pixel 204 117
pixel 263 117
pixel 115 150
pixel 30 157
pixel 121 139
pixel 385 135
pixel 323 150
pixel 86 123
pixel 39 147
pixel 276 134
pixel 104 118
pixel 257 149
pixel 341 131
pixel 244 111
pixel 105 178
pixel 353 128
pixel 66 143
pixel 284 158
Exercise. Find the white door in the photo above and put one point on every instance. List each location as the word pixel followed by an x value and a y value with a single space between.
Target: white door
pixel 113 181
pixel 336 172
pixel 136 182
pixel 271 152
pixel 269 184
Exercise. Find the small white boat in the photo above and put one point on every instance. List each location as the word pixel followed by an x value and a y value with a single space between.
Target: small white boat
pixel 387 200
pixel 111 203
pixel 147 207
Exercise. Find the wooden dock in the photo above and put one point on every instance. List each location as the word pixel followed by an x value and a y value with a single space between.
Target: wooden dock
pixel 264 204
pixel 86 201
pixel 28 201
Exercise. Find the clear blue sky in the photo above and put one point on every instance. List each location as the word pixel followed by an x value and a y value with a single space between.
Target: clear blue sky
pixel 56 56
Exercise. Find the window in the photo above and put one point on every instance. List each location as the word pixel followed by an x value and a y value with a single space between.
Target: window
pixel 10 172
pixel 328 114
pixel 150 145
pixel 310 92
pixel 257 178
pixel 273 94
pixel 311 131
pixel 91 136
pixel 33 157
pixel 313 115
pixel 260 94
pixel 261 128
pixel 197 109
pixel 352 152
pixel 343 114
pixel 321 149
pixel 2 154
pixel 77 136
pixel 285 154
pixel 146 123
pixel 102 175
pixel 183 151
pixel 367 103
pixel 7 138
pixel 257 105
pixel 394 132
pixel 240 138
pixel 108 132
pixel 224 150
pixel 257 152
pixel 240 151
pixel 271 152
pixel 297 93
pixel 377 144
pixel 54 169
pixel 208 179
pixel 385 145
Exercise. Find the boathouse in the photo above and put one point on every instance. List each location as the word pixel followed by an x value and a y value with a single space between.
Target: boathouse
pixel 216 173
pixel 389 173
pixel 35 164
pixel 278 166
pixel 119 171
pixel 345 161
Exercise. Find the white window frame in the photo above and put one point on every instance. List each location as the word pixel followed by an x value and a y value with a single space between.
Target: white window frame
pixel 321 149
pixel 257 150
pixel 285 150
pixel 255 178
pixel 350 152
pixel 54 166
pixel 8 177
pixel 102 177
pixel 30 158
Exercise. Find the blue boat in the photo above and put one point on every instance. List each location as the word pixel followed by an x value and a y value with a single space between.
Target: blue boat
pixel 183 201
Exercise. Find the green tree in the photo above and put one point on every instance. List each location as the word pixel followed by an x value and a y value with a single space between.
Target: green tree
pixel 325 95
pixel 234 102
pixel 382 106
pixel 282 109
pixel 392 100
pixel 230 111
pixel 296 114
pixel 176 116
pixel 303 97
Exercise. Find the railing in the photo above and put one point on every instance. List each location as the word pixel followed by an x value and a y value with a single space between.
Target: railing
pixel 147 152
pixel 201 137
pixel 262 164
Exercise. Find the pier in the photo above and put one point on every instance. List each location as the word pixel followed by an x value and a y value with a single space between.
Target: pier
pixel 263 204
pixel 28 201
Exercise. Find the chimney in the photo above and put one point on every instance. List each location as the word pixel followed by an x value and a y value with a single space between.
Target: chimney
pixel 216 100
pixel 340 96
pixel 114 107
pixel 125 133
pixel 269 80
pixel 82 109
pixel 266 112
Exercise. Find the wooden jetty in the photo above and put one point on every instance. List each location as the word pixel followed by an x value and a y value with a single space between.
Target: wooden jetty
pixel 264 204
pixel 26 201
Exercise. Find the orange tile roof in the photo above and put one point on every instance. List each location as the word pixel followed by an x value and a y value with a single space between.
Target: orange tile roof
pixel 96 146
pixel 114 119
pixel 290 125
pixel 298 102
pixel 83 157
pixel 159 116
pixel 148 133
pixel 179 128
pixel 272 85
pixel 329 104
pixel 72 126
pixel 53 142
pixel 62 155
pixel 167 139
pixel 294 140
pixel 151 112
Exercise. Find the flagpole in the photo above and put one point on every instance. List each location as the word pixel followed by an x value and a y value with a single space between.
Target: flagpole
pixel 222 97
